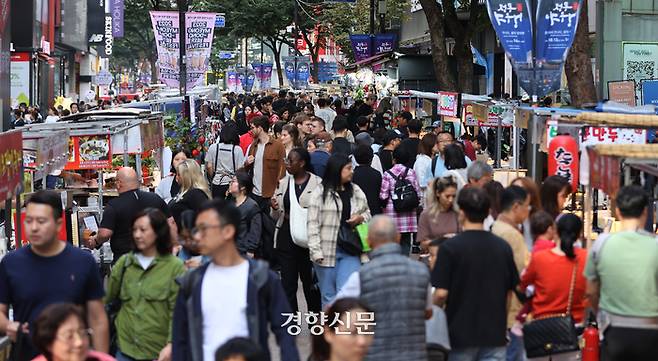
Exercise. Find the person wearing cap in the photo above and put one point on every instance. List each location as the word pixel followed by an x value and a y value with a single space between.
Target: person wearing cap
pixel 391 141
pixel 319 157
pixel 367 139
pixel 340 143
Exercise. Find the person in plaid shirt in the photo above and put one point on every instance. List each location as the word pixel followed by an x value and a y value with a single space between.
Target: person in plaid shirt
pixel 406 222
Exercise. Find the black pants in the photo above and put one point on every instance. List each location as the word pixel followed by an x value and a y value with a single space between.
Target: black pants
pixel 406 241
pixel 219 192
pixel 295 263
pixel 629 344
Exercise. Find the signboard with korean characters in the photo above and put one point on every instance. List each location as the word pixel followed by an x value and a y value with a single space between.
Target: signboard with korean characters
pixel 449 104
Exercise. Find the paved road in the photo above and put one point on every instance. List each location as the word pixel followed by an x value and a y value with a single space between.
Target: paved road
pixel 303 339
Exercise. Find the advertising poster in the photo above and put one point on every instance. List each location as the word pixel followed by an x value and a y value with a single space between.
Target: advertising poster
pixel 361 45
pixel 640 63
pixel 90 152
pixel 166 29
pixel 20 79
pixel 622 91
pixel 258 72
pixel 199 29
pixel 289 66
pixel 231 80
pixel 303 72
pixel 495 114
pixel 556 26
pixel 511 20
pixel 249 81
pixel 448 104
pixel 266 81
pixel 11 161
pixel 116 10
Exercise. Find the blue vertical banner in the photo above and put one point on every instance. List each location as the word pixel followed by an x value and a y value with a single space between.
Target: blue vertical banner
pixel 556 28
pixel 303 72
pixel 362 46
pixel 511 20
pixel 385 43
pixel 649 91
pixel 249 81
pixel 289 66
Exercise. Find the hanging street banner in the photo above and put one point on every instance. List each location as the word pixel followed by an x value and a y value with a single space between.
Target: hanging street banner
pixel 199 29
pixel 266 76
pixel 232 81
pixel 166 29
pixel 116 10
pixel 511 20
pixel 19 79
pixel 385 43
pixel 297 70
pixel 361 45
pixel 556 27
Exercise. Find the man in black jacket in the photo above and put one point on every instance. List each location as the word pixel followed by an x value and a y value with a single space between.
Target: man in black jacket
pixel 368 178
pixel 229 296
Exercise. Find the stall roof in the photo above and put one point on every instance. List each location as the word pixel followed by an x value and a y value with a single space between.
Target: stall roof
pixel 614 120
pixel 105 114
pixel 627 151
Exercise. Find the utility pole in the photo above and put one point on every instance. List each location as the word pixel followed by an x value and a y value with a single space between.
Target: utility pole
pixel 182 63
pixel 297 53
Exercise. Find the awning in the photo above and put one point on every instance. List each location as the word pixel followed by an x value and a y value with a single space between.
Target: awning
pixel 373 60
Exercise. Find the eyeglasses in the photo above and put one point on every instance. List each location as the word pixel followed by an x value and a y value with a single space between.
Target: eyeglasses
pixel 69 336
pixel 202 229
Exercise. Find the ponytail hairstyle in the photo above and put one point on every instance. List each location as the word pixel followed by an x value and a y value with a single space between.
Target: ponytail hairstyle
pixel 569 228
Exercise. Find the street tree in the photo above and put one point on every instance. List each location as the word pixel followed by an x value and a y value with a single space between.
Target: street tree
pixel 578 67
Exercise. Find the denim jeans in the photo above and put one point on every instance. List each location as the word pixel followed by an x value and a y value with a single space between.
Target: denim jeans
pixel 121 357
pixel 332 279
pixel 477 354
pixel 515 348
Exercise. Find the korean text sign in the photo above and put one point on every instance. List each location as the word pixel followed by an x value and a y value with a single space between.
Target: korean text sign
pixel 511 20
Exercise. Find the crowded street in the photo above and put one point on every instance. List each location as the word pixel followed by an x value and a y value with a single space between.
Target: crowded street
pixel 314 180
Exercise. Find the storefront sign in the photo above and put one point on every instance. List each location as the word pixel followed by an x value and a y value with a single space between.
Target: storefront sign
pixel 594 135
pixel 556 27
pixel 116 10
pixel 11 161
pixel 20 79
pixel 511 20
pixel 622 91
pixel 448 104
pixel 89 152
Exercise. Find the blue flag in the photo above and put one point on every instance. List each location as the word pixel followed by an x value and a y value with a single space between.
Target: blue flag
pixel 511 20
pixel 557 21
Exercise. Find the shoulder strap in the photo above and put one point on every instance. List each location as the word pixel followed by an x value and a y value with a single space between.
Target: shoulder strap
pixel 214 170
pixel 433 170
pixel 572 285
pixel 126 263
pixel 598 246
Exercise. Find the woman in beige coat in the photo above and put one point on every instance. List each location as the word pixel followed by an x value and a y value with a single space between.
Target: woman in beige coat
pixel 292 254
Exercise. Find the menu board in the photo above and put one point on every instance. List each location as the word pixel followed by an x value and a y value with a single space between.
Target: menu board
pixel 89 152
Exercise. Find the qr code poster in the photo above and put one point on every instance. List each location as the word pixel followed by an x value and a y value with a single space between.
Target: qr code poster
pixel 640 62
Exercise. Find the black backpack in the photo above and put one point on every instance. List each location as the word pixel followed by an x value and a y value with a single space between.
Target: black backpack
pixel 404 196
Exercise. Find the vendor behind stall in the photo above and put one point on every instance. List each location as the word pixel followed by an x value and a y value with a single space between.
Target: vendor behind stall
pixel 120 212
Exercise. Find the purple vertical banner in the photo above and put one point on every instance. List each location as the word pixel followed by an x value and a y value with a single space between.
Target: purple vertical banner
pixel 231 80
pixel 116 10
pixel 385 43
pixel 258 72
pixel 362 46
pixel 266 83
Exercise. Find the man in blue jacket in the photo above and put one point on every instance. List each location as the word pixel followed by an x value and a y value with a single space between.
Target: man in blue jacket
pixel 229 296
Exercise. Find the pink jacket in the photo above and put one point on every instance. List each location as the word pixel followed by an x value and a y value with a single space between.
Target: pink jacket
pixel 92 355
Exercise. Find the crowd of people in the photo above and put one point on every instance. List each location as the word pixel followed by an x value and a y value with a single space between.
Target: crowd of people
pixel 405 245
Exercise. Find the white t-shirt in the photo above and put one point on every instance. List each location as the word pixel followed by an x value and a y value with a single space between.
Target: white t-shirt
pixel 224 306
pixel 328 115
pixel 258 169
pixel 230 159
pixel 144 261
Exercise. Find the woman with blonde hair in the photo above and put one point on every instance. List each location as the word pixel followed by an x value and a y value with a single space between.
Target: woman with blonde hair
pixel 439 218
pixel 194 189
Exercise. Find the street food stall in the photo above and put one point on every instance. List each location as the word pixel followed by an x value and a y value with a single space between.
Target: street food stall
pixel 86 159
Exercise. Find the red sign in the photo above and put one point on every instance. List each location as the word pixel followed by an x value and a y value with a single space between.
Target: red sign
pixel 11 160
pixel 20 56
pixel 89 152
pixel 448 104
pixel 563 159
pixel 604 172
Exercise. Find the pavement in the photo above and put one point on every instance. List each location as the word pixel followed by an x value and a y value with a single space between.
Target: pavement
pixel 303 339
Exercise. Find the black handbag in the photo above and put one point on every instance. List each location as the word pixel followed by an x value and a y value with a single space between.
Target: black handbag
pixel 112 309
pixel 349 241
pixel 552 334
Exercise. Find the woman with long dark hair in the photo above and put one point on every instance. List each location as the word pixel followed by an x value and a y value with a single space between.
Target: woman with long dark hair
pixel 439 219
pixel 290 137
pixel 251 221
pixel 223 159
pixel 554 193
pixel 343 341
pixel 335 203
pixel 455 162
pixel 293 258
pixel 145 283
pixel 554 271
pixel 168 187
